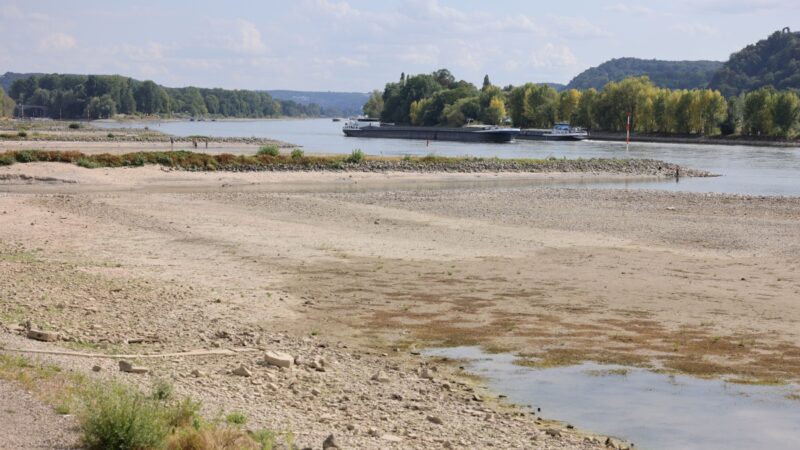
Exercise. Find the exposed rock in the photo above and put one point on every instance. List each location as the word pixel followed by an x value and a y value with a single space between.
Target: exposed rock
pixel 242 371
pixel 552 432
pixel 125 366
pixel 618 444
pixel 426 373
pixel 198 373
pixel 434 419
pixel 96 368
pixel 391 438
pixel 279 359
pixel 381 377
pixel 330 442
pixel 44 336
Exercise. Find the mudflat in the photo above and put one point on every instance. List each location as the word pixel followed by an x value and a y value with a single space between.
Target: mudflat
pixel 365 269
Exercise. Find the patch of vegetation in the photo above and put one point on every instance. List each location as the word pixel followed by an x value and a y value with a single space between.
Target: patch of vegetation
pixel 75 126
pixel 356 156
pixel 22 134
pixel 269 150
pixel 87 163
pixel 236 418
pixel 297 154
pixel 757 381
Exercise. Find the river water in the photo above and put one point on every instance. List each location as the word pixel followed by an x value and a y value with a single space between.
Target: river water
pixel 654 411
pixel 743 169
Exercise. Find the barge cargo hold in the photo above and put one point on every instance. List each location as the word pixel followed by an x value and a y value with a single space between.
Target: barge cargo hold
pixel 372 128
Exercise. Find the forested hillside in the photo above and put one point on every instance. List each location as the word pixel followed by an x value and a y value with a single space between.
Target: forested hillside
pixel 332 103
pixel 101 96
pixel 666 74
pixel 774 61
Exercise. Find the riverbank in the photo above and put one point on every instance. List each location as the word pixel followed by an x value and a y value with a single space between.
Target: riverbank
pixel 355 162
pixel 353 273
pixel 697 140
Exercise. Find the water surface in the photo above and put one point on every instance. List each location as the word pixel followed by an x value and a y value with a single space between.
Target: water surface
pixel 654 411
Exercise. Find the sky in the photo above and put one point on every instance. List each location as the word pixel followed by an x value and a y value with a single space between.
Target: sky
pixel 359 45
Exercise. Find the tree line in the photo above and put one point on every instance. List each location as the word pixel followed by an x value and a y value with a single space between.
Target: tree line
pixel 103 96
pixel 437 99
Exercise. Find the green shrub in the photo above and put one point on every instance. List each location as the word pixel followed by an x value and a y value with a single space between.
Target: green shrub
pixel 269 150
pixel 236 418
pixel 356 156
pixel 162 390
pixel 87 163
pixel 6 160
pixel 121 418
pixel 110 135
pixel 22 134
pixel 298 154
pixel 25 156
pixel 74 125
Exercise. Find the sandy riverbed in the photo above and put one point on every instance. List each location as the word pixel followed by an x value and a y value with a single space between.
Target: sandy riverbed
pixel 374 266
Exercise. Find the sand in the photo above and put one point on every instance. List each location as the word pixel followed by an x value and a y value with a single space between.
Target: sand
pixel 703 284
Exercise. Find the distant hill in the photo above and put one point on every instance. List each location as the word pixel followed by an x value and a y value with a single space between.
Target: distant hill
pixel 333 103
pixel 9 77
pixel 667 74
pixel 774 61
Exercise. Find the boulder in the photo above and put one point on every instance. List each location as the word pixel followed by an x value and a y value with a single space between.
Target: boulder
pixel 434 419
pixel 279 359
pixel 329 442
pixel 381 377
pixel 44 336
pixel 242 371
pixel 125 366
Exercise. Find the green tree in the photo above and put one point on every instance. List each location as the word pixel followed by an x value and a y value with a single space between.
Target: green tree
pixel 495 113
pixel 7 104
pixel 757 112
pixel 374 106
pixel 785 112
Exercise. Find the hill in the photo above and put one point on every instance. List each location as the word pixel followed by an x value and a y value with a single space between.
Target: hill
pixel 667 74
pixel 8 78
pixel 333 103
pixel 774 61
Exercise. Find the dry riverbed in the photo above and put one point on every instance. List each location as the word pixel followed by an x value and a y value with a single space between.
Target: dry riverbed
pixel 353 273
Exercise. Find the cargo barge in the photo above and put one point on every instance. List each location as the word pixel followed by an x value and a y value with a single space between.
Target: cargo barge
pixel 560 132
pixel 373 128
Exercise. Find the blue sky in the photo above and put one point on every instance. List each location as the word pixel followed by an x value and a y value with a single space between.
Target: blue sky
pixel 356 45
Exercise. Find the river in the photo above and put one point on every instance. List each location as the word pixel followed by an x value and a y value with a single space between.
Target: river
pixel 743 169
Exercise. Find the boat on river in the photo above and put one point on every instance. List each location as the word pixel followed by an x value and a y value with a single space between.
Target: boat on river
pixel 373 128
pixel 559 132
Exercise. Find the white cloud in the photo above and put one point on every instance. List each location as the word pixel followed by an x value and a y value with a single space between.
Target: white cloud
pixel 633 9
pixel 740 6
pixel 248 38
pixel 553 56
pixel 57 42
pixel 695 29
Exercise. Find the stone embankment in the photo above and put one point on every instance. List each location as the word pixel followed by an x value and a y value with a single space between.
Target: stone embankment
pixel 636 167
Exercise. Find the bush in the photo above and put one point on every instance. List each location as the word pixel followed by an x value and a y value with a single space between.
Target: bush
pixel 356 156
pixel 110 135
pixel 22 134
pixel 162 390
pixel 298 154
pixel 269 150
pixel 213 438
pixel 74 125
pixel 121 418
pixel 6 160
pixel 236 418
pixel 25 156
pixel 87 163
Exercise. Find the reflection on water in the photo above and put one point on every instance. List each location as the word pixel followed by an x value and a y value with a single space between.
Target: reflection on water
pixel 655 411
pixel 745 170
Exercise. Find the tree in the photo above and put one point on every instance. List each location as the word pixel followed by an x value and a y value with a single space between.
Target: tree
pixel 495 113
pixel 148 98
pixel 785 112
pixel 101 107
pixel 486 83
pixel 7 104
pixel 757 112
pixel 568 102
pixel 374 105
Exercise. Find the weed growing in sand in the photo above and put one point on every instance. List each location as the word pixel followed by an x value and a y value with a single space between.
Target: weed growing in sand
pixel 236 418
pixel 356 156
pixel 87 163
pixel 74 126
pixel 297 154
pixel 269 150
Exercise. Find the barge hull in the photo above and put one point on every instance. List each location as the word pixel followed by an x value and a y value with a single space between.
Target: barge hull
pixel 434 134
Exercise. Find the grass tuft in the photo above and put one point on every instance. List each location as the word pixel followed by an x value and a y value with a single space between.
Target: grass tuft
pixel 269 150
